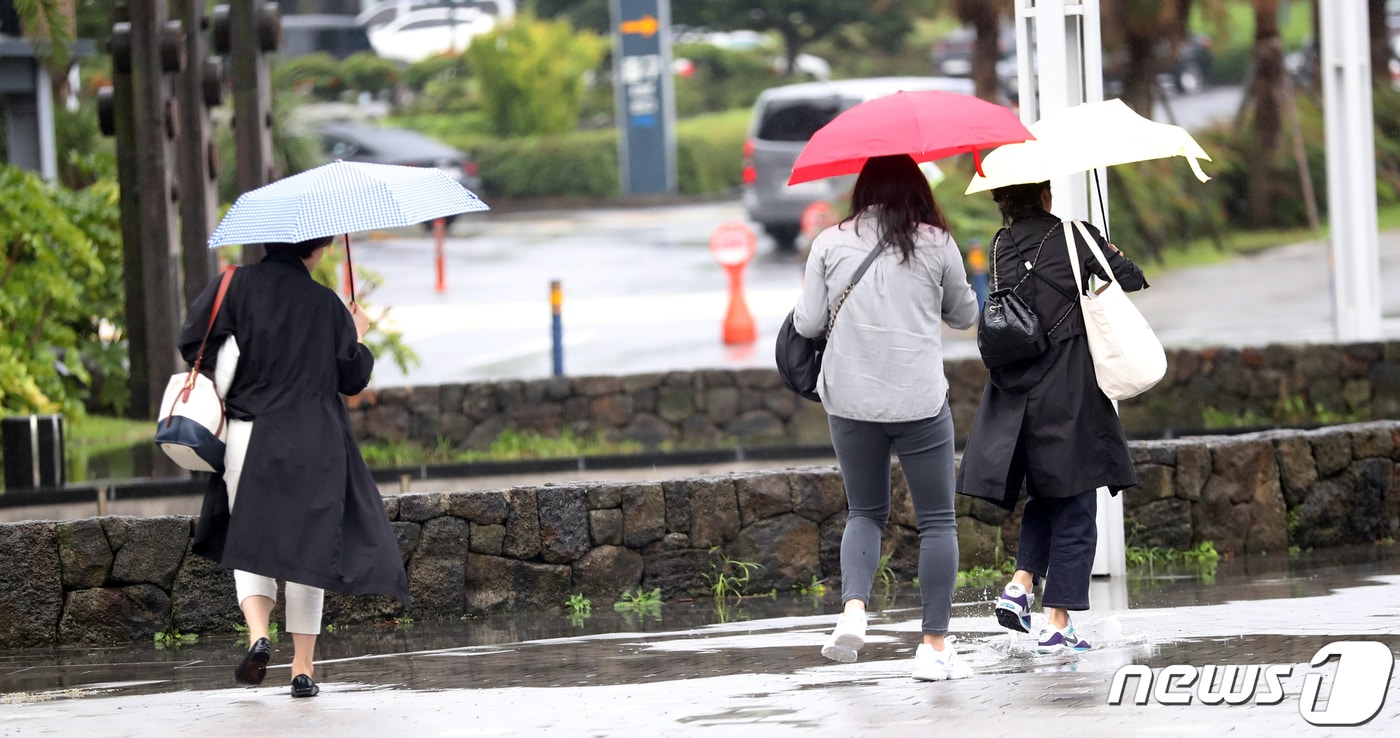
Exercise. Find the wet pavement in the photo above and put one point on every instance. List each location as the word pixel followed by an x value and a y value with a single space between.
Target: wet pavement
pixel 751 668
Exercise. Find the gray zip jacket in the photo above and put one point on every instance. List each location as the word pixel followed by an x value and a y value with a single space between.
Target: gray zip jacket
pixel 884 358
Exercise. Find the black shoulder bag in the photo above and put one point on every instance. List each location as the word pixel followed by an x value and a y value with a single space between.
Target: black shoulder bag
pixel 800 358
pixel 1008 330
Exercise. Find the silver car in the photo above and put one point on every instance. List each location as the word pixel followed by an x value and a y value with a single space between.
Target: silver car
pixel 784 118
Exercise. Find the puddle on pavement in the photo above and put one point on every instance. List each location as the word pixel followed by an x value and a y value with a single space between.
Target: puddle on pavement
pixel 764 635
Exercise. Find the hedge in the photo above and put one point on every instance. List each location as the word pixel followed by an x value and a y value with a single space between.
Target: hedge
pixel 584 164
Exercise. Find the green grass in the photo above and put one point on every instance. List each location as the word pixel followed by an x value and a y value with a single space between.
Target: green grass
pixel 1238 23
pixel 509 446
pixel 94 430
pixel 1204 252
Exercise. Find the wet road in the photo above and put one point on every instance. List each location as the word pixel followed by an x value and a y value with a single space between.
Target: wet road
pixel 642 294
pixel 685 671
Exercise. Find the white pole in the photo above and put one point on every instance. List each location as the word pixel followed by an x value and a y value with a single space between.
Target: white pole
pixel 43 99
pixel 1068 53
pixel 1351 170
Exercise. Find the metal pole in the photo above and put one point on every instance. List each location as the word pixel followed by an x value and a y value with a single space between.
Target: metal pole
pixel 1351 170
pixel 556 304
pixel 48 152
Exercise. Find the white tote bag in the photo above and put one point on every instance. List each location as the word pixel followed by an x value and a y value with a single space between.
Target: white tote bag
pixel 1128 358
pixel 191 428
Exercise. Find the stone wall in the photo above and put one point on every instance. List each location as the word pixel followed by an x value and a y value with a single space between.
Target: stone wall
pixel 117 579
pixel 1288 385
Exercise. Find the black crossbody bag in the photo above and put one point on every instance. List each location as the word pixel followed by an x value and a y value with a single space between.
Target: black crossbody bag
pixel 1008 330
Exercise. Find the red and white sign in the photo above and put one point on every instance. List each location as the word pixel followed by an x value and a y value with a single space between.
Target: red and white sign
pixel 733 244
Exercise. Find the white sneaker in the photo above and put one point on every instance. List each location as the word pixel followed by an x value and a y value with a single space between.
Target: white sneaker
pixel 936 666
pixel 847 638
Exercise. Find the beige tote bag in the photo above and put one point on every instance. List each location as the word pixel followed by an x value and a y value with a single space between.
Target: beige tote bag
pixel 1128 358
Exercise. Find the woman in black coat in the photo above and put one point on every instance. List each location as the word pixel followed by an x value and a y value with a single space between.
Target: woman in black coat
pixel 308 512
pixel 1044 421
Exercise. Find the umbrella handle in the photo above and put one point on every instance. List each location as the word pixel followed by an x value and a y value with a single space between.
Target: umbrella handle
pixel 349 269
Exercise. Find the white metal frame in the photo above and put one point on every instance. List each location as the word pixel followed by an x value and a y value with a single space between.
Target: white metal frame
pixel 1066 69
pixel 1354 250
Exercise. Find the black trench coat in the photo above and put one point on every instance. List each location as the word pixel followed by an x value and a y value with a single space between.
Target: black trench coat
pixel 1044 421
pixel 308 509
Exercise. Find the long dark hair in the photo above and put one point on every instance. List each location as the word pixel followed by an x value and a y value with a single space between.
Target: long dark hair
pixel 1012 199
pixel 897 188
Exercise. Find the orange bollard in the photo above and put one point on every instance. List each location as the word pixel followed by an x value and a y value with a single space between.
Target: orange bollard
pixel 733 245
pixel 440 235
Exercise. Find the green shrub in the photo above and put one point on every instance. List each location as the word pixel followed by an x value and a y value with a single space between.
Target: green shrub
pixel 582 165
pixel 531 75
pixel 56 283
pixel 723 80
pixel 441 84
pixel 316 75
pixel 450 64
pixel 710 152
pixel 366 72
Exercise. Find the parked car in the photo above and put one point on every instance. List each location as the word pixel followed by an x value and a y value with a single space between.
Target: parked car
pixel 1186 71
pixel 784 119
pixel 362 142
pixel 952 54
pixel 413 31
pixel 807 65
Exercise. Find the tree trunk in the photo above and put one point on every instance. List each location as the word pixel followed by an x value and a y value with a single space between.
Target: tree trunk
pixel 1380 45
pixel 987 50
pixel 792 46
pixel 1140 71
pixel 1267 94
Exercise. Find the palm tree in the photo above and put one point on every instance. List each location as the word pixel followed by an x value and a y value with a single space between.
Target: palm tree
pixel 985 19
pixel 48 23
pixel 1266 95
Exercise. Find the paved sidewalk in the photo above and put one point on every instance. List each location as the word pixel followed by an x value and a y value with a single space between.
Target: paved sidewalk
pixel 678 676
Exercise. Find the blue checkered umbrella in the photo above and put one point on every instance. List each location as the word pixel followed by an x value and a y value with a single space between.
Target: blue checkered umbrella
pixel 343 197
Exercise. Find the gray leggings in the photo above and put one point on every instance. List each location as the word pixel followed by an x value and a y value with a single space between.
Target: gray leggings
pixel 925 449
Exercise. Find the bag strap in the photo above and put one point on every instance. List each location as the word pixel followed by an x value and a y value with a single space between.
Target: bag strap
pixel 218 303
pixel 1029 265
pixel 1094 247
pixel 860 272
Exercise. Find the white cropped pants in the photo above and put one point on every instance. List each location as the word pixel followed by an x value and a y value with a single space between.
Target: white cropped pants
pixel 304 604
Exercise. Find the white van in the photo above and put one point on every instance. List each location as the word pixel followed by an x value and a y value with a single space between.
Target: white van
pixel 784 118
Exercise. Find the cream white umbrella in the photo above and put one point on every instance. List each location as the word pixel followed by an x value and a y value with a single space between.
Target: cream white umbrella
pixel 1084 137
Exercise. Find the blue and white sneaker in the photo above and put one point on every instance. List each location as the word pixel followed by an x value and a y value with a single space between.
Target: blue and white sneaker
pixel 1013 610
pixel 1054 640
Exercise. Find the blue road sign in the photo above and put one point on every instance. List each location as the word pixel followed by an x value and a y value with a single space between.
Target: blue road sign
pixel 645 95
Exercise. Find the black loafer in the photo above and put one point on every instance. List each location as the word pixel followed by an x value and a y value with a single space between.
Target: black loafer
pixel 302 686
pixel 254 666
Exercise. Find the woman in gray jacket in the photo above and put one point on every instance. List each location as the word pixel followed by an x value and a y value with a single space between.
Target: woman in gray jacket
pixel 884 390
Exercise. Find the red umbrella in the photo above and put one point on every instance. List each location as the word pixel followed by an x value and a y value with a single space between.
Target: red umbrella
pixel 927 125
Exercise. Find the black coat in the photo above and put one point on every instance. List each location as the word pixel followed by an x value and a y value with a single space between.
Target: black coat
pixel 1044 421
pixel 308 509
